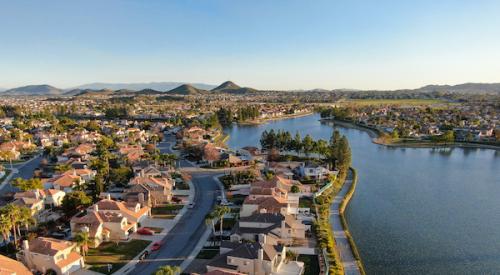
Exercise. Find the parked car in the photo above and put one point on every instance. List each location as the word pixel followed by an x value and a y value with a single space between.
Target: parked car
pixel 156 246
pixel 145 231
pixel 191 205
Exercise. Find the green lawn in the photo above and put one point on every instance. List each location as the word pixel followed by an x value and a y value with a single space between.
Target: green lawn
pixel 311 264
pixel 117 255
pixel 208 253
pixel 413 102
pixel 168 211
pixel 306 202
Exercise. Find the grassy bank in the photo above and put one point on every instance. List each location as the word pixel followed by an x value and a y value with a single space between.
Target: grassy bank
pixel 323 228
pixel 342 208
pixel 376 135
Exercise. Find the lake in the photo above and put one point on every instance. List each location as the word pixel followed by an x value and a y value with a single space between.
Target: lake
pixel 415 210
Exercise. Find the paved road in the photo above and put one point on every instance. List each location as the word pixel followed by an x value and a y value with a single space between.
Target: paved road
pixel 24 170
pixel 183 237
pixel 343 246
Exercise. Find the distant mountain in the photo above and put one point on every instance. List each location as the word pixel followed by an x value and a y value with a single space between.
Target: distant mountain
pixel 186 89
pixel 93 93
pixel 230 87
pixel 159 86
pixel 34 90
pixel 466 88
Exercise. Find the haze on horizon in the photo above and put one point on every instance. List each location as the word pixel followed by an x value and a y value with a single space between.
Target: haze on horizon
pixel 264 44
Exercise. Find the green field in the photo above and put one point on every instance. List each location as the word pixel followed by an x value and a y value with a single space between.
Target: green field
pixel 411 102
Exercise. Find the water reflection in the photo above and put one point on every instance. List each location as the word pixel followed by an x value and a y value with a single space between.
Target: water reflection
pixel 416 210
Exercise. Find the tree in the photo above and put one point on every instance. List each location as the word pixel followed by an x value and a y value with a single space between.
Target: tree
pixel 295 189
pixel 297 143
pixel 5 226
pixel 218 213
pixel 61 168
pixel 75 201
pixel 12 213
pixel 7 155
pixel 26 185
pixel 25 218
pixel 83 240
pixel 167 270
pixel 210 220
pixel 308 144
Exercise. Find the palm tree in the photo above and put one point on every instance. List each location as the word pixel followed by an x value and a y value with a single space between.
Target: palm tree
pixel 83 241
pixel 12 212
pixel 219 213
pixel 167 270
pixel 7 155
pixel 25 217
pixel 5 226
pixel 210 220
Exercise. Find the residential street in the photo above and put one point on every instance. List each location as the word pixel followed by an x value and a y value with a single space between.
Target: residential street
pixel 184 236
pixel 24 170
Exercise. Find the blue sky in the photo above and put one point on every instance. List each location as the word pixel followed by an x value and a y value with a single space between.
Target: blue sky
pixel 263 44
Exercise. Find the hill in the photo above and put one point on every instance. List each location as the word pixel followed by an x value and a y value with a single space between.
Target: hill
pixel 186 89
pixel 34 90
pixel 230 87
pixel 466 88
pixel 94 93
pixel 158 86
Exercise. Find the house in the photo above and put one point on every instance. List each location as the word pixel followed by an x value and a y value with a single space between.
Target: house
pixel 156 190
pixel 10 266
pixel 65 182
pixel 314 171
pixel 85 174
pixel 33 200
pixel 134 212
pixel 131 152
pixel 283 228
pixel 102 225
pixel 260 258
pixel 54 197
pixel 269 197
pixel 44 254
pixel 11 151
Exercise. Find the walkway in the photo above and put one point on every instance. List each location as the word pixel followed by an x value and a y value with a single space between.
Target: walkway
pixel 341 241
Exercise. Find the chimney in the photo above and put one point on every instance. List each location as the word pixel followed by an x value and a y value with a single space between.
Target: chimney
pixel 26 245
pixel 261 254
pixel 262 238
pixel 96 207
pixel 74 172
pixel 108 196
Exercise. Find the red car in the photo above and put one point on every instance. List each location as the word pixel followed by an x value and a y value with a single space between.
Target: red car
pixel 145 231
pixel 156 246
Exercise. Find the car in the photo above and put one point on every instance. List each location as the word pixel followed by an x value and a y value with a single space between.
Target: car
pixel 156 246
pixel 191 205
pixel 145 231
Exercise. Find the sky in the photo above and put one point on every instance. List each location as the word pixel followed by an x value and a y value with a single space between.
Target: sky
pixel 265 44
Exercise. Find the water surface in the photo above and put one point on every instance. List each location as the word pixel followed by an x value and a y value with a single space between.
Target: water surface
pixel 415 210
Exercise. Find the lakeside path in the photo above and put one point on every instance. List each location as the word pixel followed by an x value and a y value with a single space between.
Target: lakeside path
pixel 342 243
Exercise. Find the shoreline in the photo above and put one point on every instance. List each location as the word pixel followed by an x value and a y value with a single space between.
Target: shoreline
pixel 375 134
pixel 343 205
pixel 266 120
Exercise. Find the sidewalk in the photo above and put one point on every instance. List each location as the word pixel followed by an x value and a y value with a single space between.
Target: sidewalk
pixel 341 241
pixel 157 237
